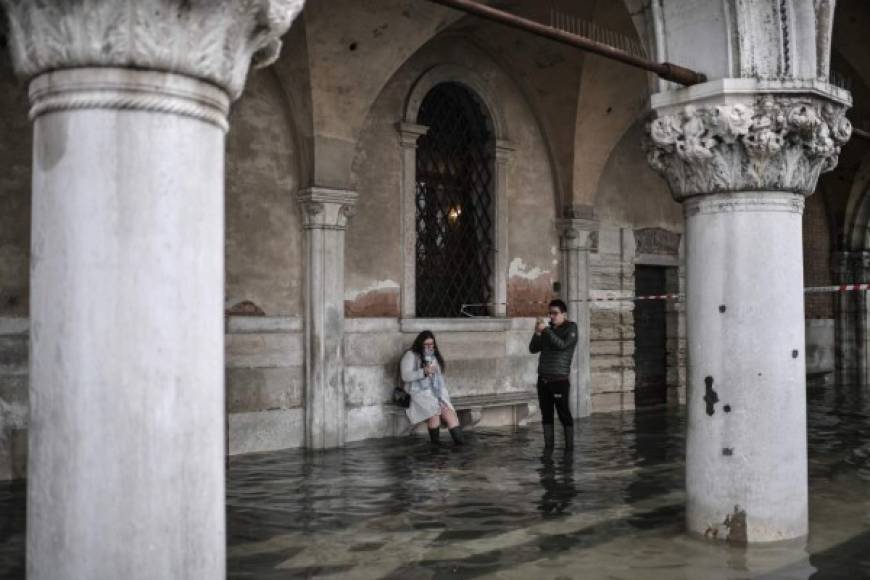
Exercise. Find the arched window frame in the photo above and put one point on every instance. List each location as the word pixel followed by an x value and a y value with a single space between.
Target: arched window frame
pixel 409 133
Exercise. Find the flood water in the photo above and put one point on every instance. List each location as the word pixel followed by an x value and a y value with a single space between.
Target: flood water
pixel 500 508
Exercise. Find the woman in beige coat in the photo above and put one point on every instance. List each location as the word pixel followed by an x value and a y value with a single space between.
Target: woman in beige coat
pixel 422 369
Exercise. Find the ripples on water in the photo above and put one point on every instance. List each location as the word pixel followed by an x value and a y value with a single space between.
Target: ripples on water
pixel 500 508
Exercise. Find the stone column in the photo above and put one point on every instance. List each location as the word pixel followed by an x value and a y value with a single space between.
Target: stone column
pixel 741 155
pixel 326 212
pixel 129 102
pixel 503 155
pixel 851 326
pixel 409 134
pixel 574 235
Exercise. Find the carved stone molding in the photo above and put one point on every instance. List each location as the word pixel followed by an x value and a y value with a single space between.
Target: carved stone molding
pixel 213 40
pixel 736 202
pixel 656 241
pixel 576 233
pixel 327 209
pixel 410 133
pixel 760 142
pixel 127 90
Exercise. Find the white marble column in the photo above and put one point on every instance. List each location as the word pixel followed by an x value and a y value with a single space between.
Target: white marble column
pixel 129 101
pixel 574 235
pixel 741 155
pixel 326 213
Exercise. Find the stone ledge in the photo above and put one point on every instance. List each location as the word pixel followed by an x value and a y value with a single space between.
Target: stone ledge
pixel 412 325
pixel 718 88
pixel 483 401
pixel 263 324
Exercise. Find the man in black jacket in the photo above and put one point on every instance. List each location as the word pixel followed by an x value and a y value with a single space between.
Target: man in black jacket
pixel 556 343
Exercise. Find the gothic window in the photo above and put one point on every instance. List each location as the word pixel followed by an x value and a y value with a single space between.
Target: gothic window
pixel 454 220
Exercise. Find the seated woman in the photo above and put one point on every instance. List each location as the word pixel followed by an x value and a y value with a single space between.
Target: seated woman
pixel 422 369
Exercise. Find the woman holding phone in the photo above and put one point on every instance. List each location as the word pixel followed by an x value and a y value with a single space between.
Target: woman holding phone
pixel 422 370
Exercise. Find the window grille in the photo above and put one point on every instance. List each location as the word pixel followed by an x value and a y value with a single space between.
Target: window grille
pixel 454 221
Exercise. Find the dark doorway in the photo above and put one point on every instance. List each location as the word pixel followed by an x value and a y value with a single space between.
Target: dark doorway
pixel 650 337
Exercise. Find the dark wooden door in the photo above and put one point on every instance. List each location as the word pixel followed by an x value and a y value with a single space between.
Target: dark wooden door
pixel 650 359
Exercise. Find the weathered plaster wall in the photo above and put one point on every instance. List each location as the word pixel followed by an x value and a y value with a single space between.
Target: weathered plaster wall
pixel 374 258
pixel 478 362
pixel 264 225
pixel 353 51
pixel 612 98
pixel 630 193
pixel 15 154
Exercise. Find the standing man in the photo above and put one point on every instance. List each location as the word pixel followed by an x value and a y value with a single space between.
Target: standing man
pixel 556 343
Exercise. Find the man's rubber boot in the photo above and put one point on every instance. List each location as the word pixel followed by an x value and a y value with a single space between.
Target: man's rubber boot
pixel 434 438
pixel 458 437
pixel 569 436
pixel 549 436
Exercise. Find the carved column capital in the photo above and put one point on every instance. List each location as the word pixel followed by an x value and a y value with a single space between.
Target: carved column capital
pixel 213 40
pixel 747 135
pixel 327 209
pixel 576 233
pixel 410 133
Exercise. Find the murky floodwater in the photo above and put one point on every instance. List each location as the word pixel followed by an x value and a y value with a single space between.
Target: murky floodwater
pixel 499 508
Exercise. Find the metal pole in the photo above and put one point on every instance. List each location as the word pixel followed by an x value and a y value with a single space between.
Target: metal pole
pixel 665 70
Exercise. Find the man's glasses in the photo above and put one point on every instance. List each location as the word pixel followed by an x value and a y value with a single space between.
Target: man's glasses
pixel 555 312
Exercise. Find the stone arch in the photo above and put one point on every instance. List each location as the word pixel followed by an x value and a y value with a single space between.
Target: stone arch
pixel 387 142
pixel 454 73
pixel 495 117
pixel 856 225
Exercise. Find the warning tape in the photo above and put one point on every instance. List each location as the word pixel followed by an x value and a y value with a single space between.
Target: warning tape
pixel 840 288
pixel 810 290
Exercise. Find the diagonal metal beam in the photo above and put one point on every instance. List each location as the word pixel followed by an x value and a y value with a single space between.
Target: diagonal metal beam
pixel 665 70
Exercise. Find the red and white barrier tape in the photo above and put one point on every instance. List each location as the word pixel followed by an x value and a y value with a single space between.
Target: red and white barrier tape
pixel 840 288
pixel 811 290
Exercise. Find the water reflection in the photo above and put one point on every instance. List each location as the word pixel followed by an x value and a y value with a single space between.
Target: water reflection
pixel 502 508
pixel 557 482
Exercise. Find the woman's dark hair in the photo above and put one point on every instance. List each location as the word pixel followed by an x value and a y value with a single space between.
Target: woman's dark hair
pixel 417 347
pixel 558 304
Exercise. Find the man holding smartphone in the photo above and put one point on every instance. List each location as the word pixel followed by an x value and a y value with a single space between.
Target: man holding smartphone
pixel 555 341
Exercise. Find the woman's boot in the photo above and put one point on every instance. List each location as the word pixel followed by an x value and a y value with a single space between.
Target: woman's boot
pixel 458 437
pixel 434 438
pixel 549 435
pixel 569 436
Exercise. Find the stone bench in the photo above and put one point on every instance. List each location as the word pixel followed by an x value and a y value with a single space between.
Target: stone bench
pixel 469 408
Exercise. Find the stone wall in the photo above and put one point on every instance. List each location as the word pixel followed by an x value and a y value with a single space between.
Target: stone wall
pixel 611 341
pixel 15 155
pixel 264 383
pixel 817 257
pixel 13 397
pixel 617 252
pixel 482 357
pixel 265 375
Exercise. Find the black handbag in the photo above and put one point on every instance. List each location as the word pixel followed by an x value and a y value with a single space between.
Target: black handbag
pixel 401 397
